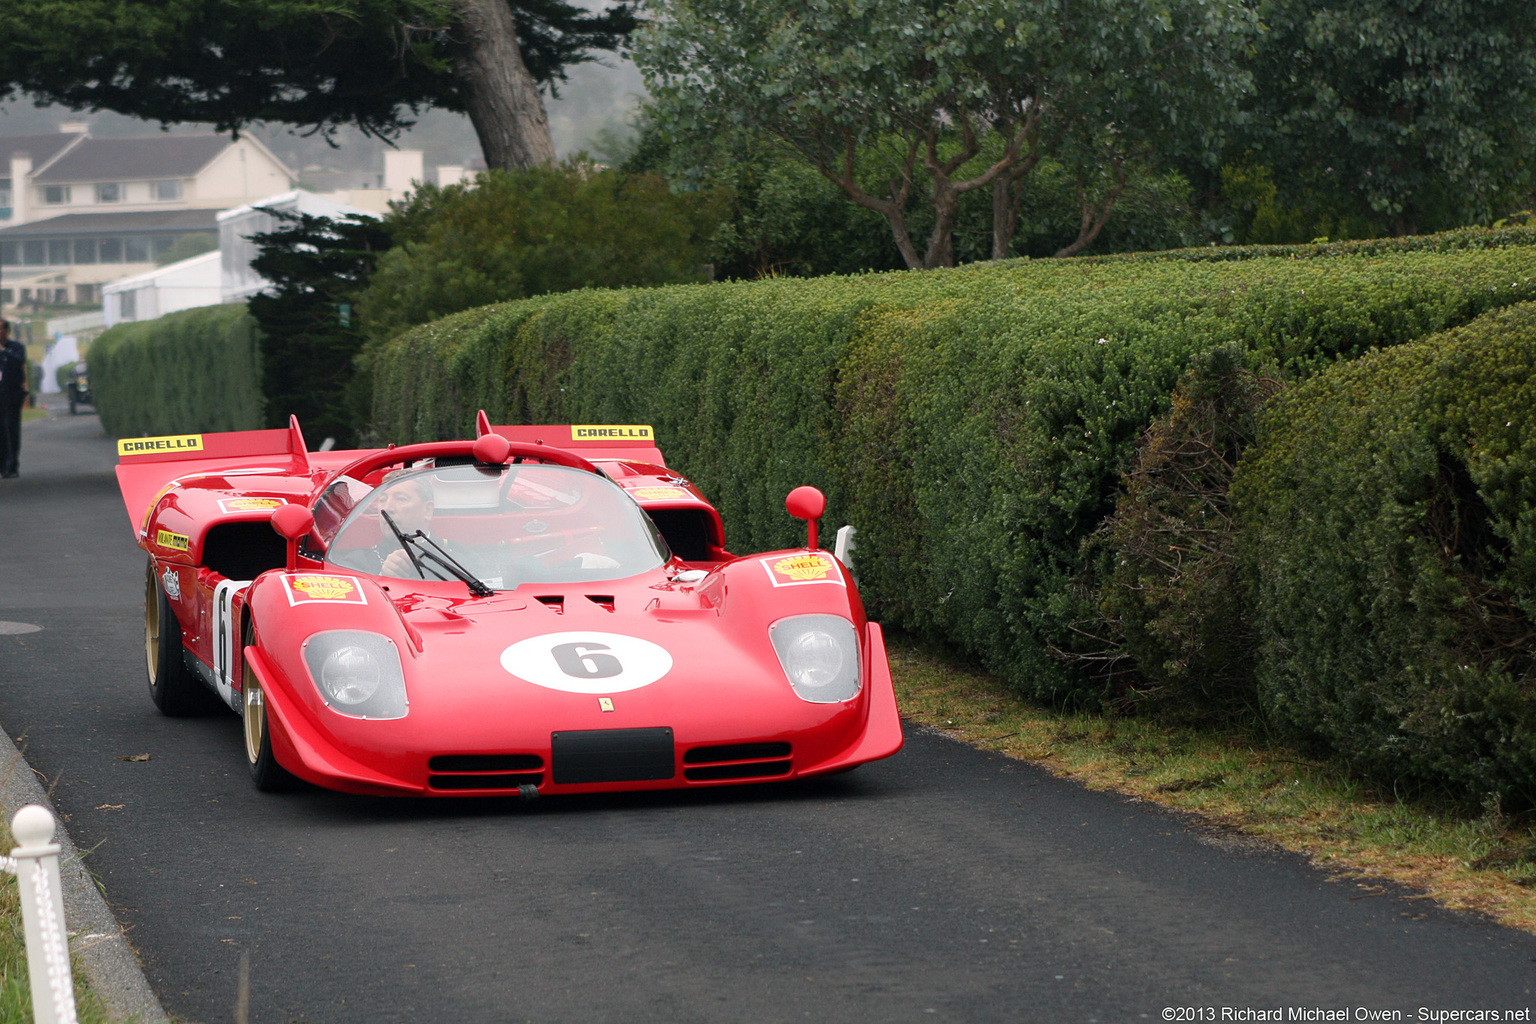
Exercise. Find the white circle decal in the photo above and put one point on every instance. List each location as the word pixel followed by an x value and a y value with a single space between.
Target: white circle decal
pixel 587 662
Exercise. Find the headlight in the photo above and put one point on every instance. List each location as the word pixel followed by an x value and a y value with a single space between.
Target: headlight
pixel 820 656
pixel 357 673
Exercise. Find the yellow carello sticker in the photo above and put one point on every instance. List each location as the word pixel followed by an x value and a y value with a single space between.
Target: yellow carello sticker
pixel 319 587
pixel 175 541
pixel 613 432
pixel 804 567
pixel 659 493
pixel 249 504
pixel 160 445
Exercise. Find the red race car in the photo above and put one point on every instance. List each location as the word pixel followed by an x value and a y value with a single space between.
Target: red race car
pixel 541 610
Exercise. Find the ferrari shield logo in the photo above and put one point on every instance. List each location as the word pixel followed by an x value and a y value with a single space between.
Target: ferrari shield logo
pixel 605 703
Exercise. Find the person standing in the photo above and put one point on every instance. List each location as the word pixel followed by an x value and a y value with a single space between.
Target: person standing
pixel 13 394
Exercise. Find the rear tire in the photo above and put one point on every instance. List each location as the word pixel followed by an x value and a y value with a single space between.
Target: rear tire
pixel 267 775
pixel 175 690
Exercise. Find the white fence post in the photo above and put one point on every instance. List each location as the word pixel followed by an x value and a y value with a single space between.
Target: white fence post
pixel 35 862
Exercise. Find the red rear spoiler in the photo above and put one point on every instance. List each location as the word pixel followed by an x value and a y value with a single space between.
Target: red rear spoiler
pixel 146 466
pixel 631 442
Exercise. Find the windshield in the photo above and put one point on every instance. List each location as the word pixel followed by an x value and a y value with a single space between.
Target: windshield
pixel 504 525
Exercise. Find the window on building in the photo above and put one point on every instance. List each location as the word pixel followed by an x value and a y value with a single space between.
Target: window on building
pixel 111 250
pixel 10 254
pixel 7 296
pixel 54 195
pixel 85 294
pixel 5 198
pixel 167 191
pixel 85 250
pixel 109 192
pixel 61 295
pixel 34 253
pixel 159 245
pixel 127 305
pixel 136 250
pixel 59 252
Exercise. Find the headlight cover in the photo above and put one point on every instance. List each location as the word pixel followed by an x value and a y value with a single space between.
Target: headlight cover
pixel 819 655
pixel 357 673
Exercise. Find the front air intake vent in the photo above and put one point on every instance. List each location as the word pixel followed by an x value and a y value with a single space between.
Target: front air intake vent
pixel 736 752
pixel 750 770
pixel 483 782
pixel 485 763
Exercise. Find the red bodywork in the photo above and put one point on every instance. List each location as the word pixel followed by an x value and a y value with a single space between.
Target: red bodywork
pixel 201 507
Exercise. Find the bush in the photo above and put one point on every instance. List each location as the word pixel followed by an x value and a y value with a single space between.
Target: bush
pixel 197 370
pixel 975 423
pixel 1389 520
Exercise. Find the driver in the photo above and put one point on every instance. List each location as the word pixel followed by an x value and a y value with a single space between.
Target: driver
pixel 410 504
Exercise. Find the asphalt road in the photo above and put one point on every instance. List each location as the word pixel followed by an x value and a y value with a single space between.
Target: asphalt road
pixel 942 885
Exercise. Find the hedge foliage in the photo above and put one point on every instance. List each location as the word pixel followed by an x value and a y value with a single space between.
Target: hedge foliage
pixel 1389 544
pixel 186 372
pixel 974 423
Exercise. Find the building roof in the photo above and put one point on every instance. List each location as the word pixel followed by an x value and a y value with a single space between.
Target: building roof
pixel 137 158
pixel 147 222
pixel 41 148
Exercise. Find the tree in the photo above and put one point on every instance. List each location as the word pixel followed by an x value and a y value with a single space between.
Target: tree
pixel 316 63
pixel 942 99
pixel 1419 111
pixel 309 332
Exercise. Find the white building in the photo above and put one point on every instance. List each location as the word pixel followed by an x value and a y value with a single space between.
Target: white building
pixel 185 285
pixel 237 280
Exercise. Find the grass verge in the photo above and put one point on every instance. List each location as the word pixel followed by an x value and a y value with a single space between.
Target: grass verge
pixel 1481 862
pixel 15 988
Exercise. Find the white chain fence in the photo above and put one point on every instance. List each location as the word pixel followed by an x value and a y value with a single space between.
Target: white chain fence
pixel 35 863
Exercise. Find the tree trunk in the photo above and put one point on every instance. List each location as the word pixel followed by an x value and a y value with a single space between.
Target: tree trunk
pixel 503 100
pixel 1007 194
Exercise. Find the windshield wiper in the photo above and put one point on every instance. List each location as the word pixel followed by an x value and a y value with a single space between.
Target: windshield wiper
pixel 447 561
pixel 405 544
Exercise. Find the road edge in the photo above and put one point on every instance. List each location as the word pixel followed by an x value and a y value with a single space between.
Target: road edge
pixel 96 938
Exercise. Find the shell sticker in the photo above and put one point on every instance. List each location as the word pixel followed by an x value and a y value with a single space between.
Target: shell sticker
pixel 174 541
pixel 249 504
pixel 803 567
pixel 160 445
pixel 659 493
pixel 587 662
pixel 313 588
pixel 612 432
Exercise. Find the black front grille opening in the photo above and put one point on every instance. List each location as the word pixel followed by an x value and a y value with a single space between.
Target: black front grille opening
pixel 688 532
pixel 736 752
pixel 476 782
pixel 602 600
pixel 554 601
pixel 612 755
pixel 485 763
pixel 753 770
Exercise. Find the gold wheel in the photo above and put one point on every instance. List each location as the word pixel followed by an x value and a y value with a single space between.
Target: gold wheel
pixel 151 622
pixel 255 716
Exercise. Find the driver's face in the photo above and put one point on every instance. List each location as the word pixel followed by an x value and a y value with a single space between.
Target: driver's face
pixel 406 507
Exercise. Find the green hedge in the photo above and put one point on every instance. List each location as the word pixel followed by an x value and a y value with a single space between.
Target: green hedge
pixel 1389 543
pixel 973 423
pixel 185 372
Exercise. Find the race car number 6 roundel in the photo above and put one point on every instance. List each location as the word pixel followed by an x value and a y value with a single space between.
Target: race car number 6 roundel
pixel 587 662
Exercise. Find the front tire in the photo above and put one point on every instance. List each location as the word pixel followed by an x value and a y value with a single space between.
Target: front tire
pixel 266 773
pixel 175 691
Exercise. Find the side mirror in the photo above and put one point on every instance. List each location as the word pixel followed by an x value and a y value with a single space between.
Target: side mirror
pixel 292 522
pixel 807 503
pixel 492 449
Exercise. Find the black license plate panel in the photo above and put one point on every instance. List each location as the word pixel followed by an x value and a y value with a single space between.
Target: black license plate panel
pixel 612 755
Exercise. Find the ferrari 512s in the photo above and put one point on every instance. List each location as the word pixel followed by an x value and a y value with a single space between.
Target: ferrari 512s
pixel 540 610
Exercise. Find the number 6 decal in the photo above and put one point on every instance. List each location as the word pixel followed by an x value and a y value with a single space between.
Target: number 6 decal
pixel 581 661
pixel 587 662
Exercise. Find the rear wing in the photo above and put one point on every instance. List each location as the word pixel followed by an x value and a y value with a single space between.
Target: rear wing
pixel 147 466
pixel 624 442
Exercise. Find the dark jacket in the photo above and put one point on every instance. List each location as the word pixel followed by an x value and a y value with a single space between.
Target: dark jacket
pixel 13 367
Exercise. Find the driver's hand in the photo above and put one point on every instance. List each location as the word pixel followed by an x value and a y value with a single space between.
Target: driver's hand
pixel 397 563
pixel 592 560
